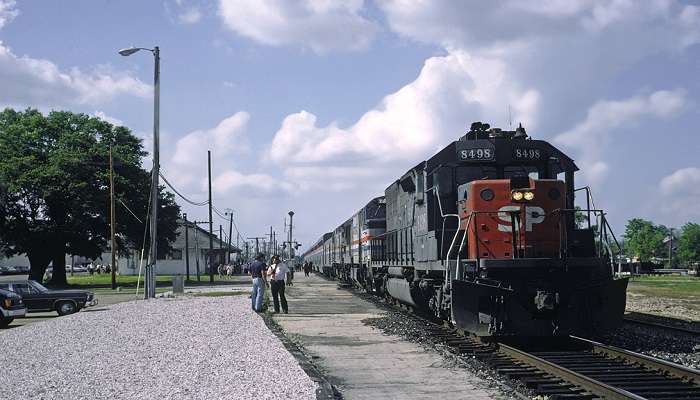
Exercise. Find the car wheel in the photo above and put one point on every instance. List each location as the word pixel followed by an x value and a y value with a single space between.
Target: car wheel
pixel 5 321
pixel 66 307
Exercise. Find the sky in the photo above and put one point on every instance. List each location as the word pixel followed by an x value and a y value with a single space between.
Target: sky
pixel 316 106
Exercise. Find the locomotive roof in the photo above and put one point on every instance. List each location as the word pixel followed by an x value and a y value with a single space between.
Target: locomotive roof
pixel 497 147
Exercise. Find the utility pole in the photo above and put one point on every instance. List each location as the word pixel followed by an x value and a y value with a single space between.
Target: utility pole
pixel 274 242
pixel 196 249
pixel 230 233
pixel 187 249
pixel 111 220
pixel 270 247
pixel 211 228
pixel 257 243
pixel 291 251
pixel 221 242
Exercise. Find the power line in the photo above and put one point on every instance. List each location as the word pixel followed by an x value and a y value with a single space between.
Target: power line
pixel 219 214
pixel 128 209
pixel 194 203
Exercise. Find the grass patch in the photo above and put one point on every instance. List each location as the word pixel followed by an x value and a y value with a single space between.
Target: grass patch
pixel 675 286
pixel 219 294
pixel 106 280
pixel 125 290
pixel 130 280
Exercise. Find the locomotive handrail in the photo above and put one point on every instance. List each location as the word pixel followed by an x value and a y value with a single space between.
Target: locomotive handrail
pixel 603 230
pixel 469 218
pixel 444 216
pixel 604 227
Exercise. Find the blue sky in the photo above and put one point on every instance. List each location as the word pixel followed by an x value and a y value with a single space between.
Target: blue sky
pixel 317 106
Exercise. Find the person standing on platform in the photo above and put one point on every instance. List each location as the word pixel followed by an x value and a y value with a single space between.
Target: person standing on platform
pixel 257 272
pixel 278 271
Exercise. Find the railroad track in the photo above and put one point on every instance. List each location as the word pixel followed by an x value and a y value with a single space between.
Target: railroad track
pixel 575 368
pixel 637 321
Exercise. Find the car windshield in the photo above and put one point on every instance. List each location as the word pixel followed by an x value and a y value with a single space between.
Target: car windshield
pixel 38 286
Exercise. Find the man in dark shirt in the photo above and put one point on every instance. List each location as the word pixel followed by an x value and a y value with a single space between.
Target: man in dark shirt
pixel 257 272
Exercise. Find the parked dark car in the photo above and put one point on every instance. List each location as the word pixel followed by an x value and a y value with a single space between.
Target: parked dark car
pixel 11 307
pixel 38 298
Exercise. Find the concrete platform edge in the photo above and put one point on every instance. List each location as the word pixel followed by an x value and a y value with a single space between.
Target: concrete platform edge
pixel 325 390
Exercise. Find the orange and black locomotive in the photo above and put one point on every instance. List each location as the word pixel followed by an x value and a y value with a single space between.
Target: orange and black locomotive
pixel 486 234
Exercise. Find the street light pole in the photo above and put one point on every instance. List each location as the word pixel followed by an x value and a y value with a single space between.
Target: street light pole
pixel 211 229
pixel 187 249
pixel 291 252
pixel 150 274
pixel 111 221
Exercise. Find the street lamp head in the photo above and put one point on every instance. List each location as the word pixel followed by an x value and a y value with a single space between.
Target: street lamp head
pixel 128 51
pixel 291 213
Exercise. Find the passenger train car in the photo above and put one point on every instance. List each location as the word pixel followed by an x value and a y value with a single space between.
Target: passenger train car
pixel 485 234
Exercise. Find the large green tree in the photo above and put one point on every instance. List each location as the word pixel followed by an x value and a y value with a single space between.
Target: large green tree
pixel 644 239
pixel 689 243
pixel 54 170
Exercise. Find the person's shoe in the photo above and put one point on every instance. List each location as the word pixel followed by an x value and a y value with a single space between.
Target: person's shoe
pixel 286 312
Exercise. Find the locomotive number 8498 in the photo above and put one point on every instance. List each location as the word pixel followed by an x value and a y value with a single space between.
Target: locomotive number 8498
pixel 485 234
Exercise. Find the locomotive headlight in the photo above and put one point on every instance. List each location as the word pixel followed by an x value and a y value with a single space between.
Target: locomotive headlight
pixel 517 196
pixel 529 196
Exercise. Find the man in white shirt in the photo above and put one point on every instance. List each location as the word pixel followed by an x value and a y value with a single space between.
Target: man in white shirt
pixel 278 271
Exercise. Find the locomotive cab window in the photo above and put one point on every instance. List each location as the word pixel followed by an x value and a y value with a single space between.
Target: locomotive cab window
pixel 474 173
pixel 523 170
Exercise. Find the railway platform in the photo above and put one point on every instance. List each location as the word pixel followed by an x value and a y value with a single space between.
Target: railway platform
pixel 361 361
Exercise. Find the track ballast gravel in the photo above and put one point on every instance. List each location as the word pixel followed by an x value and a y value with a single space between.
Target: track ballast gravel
pixel 202 348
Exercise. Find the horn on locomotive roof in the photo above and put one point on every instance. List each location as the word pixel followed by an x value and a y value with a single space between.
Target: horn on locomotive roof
pixel 482 130
pixel 520 132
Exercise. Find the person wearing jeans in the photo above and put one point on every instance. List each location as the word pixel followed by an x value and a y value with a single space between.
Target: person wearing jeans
pixel 278 270
pixel 257 272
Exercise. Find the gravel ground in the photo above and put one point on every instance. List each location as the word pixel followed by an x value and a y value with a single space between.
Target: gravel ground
pixel 685 309
pixel 677 347
pixel 203 348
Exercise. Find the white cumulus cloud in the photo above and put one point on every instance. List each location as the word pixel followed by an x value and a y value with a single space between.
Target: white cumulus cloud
pixel 114 121
pixel 28 81
pixel 589 138
pixel 318 25
pixel 680 192
pixel 187 167
pixel 450 92
pixel 224 140
pixel 186 12
pixel 8 11
pixel 263 184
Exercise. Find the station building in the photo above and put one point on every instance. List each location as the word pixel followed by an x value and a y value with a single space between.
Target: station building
pixel 174 263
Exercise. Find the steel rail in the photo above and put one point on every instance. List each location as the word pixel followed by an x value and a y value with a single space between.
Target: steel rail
pixel 589 384
pixel 633 320
pixel 612 373
pixel 679 371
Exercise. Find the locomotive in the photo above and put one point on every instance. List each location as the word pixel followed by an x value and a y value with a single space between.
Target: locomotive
pixel 485 234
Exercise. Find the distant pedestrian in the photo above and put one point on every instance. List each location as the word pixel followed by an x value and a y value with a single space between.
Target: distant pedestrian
pixel 277 271
pixel 307 268
pixel 257 272
pixel 290 276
